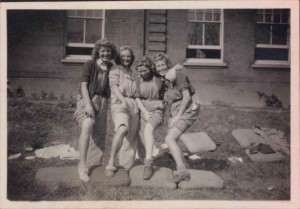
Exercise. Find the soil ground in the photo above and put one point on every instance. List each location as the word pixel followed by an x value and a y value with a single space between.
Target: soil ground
pixel 38 122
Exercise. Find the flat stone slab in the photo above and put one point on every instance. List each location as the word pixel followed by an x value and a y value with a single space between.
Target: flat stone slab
pixel 198 142
pixel 160 179
pixel 68 176
pixel 202 179
pixel 260 157
pixel 245 137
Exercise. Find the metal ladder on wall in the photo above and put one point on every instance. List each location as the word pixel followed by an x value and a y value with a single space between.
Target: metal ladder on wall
pixel 155 32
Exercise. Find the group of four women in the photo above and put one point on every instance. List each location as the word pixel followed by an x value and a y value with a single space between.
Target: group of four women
pixel 136 101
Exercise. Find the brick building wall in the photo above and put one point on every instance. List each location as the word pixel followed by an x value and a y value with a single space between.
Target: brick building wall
pixel 36 47
pixel 177 35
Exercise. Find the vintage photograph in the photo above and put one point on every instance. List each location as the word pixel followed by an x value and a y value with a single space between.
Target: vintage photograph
pixel 149 104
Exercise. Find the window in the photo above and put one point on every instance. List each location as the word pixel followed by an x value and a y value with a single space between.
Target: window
pixel 272 36
pixel 84 28
pixel 205 35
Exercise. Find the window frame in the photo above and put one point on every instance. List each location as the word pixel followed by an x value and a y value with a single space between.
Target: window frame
pixel 221 38
pixel 270 45
pixel 80 58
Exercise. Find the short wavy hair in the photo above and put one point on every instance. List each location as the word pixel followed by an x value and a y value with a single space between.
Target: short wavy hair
pixel 162 56
pixel 145 61
pixel 106 43
pixel 123 48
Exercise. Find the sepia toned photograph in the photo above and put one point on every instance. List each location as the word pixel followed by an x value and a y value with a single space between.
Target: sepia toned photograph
pixel 150 104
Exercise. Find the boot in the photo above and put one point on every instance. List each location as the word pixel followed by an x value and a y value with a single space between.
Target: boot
pixel 148 169
pixel 183 175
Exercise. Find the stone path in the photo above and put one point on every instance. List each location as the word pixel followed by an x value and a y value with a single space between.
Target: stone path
pixel 68 176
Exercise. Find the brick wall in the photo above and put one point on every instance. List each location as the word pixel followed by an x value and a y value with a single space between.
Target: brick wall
pixel 126 27
pixel 177 35
pixel 36 47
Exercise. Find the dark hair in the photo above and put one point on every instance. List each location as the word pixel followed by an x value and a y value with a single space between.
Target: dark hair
pixel 122 48
pixel 106 43
pixel 162 56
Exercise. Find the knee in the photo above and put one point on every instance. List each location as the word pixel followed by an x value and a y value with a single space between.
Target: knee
pixel 169 139
pixel 87 126
pixel 122 130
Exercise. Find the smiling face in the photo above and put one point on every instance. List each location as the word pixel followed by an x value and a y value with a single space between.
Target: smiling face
pixel 126 58
pixel 143 71
pixel 105 53
pixel 161 67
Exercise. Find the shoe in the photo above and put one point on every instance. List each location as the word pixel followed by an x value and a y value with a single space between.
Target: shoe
pixel 83 172
pixel 148 172
pixel 110 171
pixel 182 176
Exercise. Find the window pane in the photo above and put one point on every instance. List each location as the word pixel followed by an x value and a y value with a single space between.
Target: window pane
pixel 276 18
pixel 208 14
pixel 263 34
pixel 93 30
pixel 191 16
pixel 203 53
pixel 79 13
pixel 271 54
pixel 280 34
pixel 78 50
pixel 268 11
pixel 75 31
pixel 195 31
pixel 217 17
pixel 285 18
pixel 90 13
pixel 99 13
pixel 212 34
pixel 199 15
pixel 268 18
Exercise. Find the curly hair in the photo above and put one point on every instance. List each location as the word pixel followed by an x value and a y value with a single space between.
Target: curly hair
pixel 106 43
pixel 122 48
pixel 145 61
pixel 162 56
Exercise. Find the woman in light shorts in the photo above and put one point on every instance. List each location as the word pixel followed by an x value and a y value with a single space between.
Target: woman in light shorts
pixel 183 111
pixel 124 112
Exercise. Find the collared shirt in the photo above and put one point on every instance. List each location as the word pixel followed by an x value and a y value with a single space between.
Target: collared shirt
pixel 174 89
pixel 124 79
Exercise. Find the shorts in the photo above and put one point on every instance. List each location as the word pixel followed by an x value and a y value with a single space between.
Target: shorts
pixel 187 119
pixel 155 120
pixel 156 109
pixel 97 103
pixel 123 116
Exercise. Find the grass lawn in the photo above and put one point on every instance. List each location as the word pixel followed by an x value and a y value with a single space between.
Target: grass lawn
pixel 35 123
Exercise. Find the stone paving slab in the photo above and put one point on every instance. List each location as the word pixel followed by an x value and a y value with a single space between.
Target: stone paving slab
pixel 245 137
pixel 260 157
pixel 202 179
pixel 160 178
pixel 198 142
pixel 68 176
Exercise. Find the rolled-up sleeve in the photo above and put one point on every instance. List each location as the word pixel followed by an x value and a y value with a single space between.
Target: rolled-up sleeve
pixel 114 76
pixel 181 80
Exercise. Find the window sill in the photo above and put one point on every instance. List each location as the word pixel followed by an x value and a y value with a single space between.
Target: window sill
pixel 75 61
pixel 205 65
pixel 271 66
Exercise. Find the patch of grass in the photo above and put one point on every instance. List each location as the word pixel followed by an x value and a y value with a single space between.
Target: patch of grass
pixel 35 122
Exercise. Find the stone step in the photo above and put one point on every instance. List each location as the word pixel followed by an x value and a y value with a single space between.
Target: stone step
pixel 68 176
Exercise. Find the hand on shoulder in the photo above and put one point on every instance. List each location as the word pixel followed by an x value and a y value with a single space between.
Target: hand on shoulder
pixel 171 74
